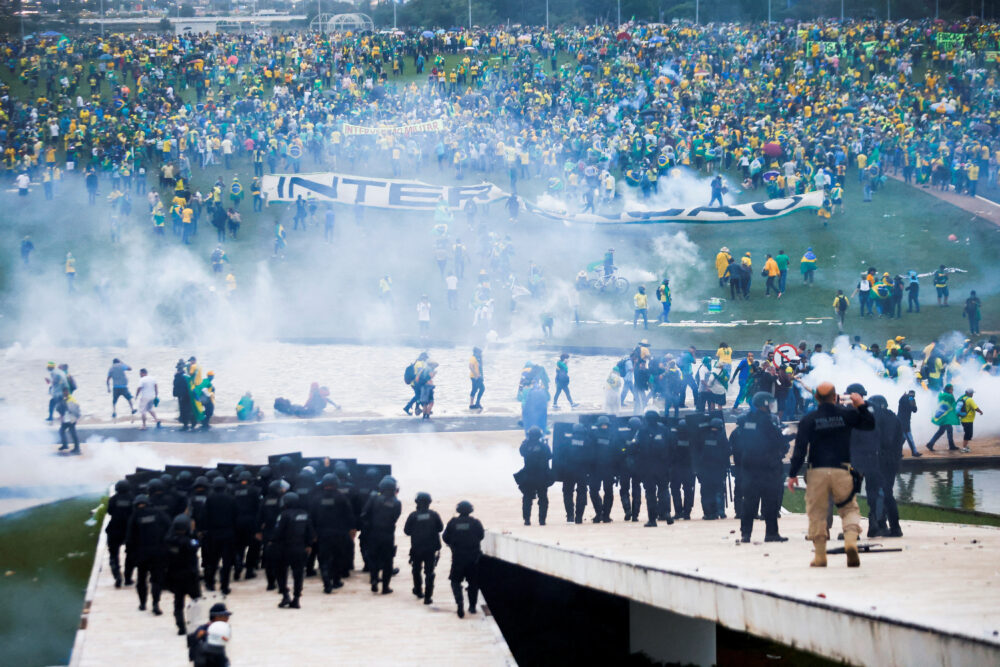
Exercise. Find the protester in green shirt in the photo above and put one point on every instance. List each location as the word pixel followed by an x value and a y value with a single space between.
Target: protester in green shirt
pixel 782 259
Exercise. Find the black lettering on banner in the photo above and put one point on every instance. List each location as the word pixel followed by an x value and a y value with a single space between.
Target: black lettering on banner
pixel 328 191
pixel 458 195
pixel 362 185
pixel 414 194
pixel 764 208
pixel 724 210
pixel 654 215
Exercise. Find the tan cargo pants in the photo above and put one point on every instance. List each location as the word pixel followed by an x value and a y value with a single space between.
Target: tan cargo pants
pixel 821 484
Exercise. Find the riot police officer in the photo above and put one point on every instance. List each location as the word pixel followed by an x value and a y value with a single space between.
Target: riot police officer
pixel 119 511
pixel 652 456
pixel 267 517
pixel 602 470
pixel 333 518
pixel 865 459
pixel 181 575
pixel 463 535
pixel 890 433
pixel 713 465
pixel 293 535
pixel 424 527
pixel 144 539
pixel 575 474
pixel 630 486
pixel 220 535
pixel 379 519
pixel 247 497
pixel 764 448
pixel 535 478
pixel 682 471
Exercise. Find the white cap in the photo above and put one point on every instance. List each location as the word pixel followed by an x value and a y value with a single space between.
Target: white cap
pixel 219 633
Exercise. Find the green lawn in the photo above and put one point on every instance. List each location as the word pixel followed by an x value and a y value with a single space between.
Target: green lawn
pixel 46 554
pixel 330 290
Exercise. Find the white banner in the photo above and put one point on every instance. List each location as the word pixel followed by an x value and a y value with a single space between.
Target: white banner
pixel 419 196
pixel 375 192
pixel 412 128
pixel 755 212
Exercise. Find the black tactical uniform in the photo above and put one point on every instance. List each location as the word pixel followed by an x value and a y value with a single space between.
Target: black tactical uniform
pixel 535 477
pixel 764 448
pixel 247 497
pixel 574 473
pixel 119 511
pixel 220 535
pixel 602 470
pixel 424 527
pixel 682 471
pixel 379 519
pixel 181 567
pixel 463 535
pixel 629 475
pixel 293 536
pixel 267 517
pixel 144 541
pixel 333 518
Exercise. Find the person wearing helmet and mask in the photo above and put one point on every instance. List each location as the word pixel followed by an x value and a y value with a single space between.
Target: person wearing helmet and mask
pixel 653 459
pixel 823 439
pixel 890 432
pixel 144 539
pixel 219 535
pixel 713 464
pixel 212 652
pixel 602 470
pixel 865 459
pixel 247 497
pixel 682 461
pixel 763 449
pixel 333 518
pixel 198 644
pixel 630 486
pixel 574 473
pixel 293 535
pixel 463 535
pixel 119 511
pixel 379 519
pixel 181 567
pixel 267 517
pixel 424 527
pixel 535 478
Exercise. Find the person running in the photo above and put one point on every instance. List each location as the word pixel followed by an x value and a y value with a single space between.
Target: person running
pixel 117 384
pixel 562 382
pixel 945 418
pixel 148 397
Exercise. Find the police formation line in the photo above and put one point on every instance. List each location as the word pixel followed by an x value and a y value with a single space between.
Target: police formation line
pixel 661 457
pixel 292 518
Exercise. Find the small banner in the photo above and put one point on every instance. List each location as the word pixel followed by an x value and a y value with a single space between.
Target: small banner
pixel 412 128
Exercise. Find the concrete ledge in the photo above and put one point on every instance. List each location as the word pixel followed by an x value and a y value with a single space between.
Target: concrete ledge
pixel 813 625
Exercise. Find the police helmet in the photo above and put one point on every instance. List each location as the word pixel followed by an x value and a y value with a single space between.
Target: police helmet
pixel 423 499
pixel 464 508
pixel 715 422
pixel 167 479
pixel 341 469
pixel 330 480
pixel 290 500
pixel 237 471
pixel 603 421
pixel 219 483
pixel 201 480
pixel 762 400
pixel 274 488
pixel 879 401
pixel 141 499
pixel 652 417
pixel 857 388
pixel 156 486
pixel 634 422
pixel 184 478
pixel 578 429
pixel 245 476
pixel 264 472
pixel 534 433
pixel 388 483
pixel 182 523
pixel 122 486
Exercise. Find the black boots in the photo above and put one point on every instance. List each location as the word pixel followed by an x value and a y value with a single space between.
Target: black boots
pixel 285 601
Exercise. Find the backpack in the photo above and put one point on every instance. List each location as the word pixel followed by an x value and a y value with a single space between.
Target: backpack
pixel 621 365
pixel 409 375
pixel 71 383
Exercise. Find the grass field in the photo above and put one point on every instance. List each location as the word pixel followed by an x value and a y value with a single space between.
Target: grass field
pixel 330 290
pixel 46 554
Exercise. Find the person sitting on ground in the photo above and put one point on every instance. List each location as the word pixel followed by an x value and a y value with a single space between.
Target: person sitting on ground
pixel 246 409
